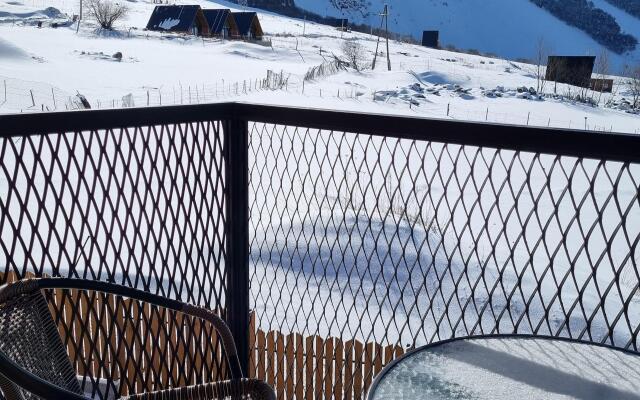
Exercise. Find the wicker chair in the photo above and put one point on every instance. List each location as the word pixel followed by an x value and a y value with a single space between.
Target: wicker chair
pixel 34 363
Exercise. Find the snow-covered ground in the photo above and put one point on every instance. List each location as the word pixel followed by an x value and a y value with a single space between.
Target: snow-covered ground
pixel 397 241
pixel 361 285
pixel 509 28
pixel 43 68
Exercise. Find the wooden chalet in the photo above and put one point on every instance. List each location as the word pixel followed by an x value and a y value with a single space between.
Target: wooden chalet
pixel 180 19
pixel 248 25
pixel 221 23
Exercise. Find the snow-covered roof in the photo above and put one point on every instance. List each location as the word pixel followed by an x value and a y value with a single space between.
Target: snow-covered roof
pixel 245 21
pixel 216 19
pixel 173 18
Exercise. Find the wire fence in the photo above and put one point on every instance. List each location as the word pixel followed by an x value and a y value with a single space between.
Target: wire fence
pixel 28 96
pixel 18 95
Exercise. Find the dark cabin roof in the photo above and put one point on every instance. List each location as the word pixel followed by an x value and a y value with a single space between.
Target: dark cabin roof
pixel 216 19
pixel 173 18
pixel 244 21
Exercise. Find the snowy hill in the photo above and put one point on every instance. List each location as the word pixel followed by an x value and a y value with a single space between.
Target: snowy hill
pixel 509 28
pixel 43 69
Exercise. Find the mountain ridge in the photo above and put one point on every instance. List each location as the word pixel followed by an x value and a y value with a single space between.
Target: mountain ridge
pixel 508 28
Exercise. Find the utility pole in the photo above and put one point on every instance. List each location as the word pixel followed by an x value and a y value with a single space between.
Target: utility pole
pixel 375 56
pixel 383 21
pixel 79 17
pixel 386 32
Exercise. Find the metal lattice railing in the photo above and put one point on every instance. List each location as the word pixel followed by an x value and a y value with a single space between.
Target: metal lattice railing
pixel 350 237
pixel 405 241
pixel 378 244
pixel 142 206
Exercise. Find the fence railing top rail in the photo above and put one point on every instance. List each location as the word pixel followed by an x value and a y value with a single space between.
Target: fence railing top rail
pixel 586 144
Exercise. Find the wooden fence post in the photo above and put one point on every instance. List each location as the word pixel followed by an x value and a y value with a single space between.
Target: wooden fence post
pixel 309 368
pixel 369 355
pixel 289 364
pixel 357 371
pixel 251 373
pixel 271 354
pixel 319 344
pixel 299 367
pixel 339 355
pixel 261 347
pixel 279 365
pixel 348 370
pixel 329 357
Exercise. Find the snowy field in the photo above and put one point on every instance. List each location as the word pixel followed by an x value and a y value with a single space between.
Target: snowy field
pixel 446 254
pixel 509 28
pixel 400 241
pixel 43 68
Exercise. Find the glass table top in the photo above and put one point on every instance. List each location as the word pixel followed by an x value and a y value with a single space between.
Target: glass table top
pixel 512 368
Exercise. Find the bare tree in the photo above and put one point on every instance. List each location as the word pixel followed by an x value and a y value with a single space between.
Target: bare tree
pixel 633 84
pixel 106 12
pixel 602 70
pixel 540 58
pixel 354 53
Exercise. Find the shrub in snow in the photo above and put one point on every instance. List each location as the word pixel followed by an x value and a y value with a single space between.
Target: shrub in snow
pixel 79 102
pixel 118 56
pixel 632 81
pixel 354 52
pixel 127 101
pixel 106 13
pixel 325 69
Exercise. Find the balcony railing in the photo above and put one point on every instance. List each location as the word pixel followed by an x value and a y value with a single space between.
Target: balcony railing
pixel 331 241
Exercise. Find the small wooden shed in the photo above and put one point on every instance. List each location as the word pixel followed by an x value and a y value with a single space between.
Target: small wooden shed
pixel 221 23
pixel 601 85
pixel 573 70
pixel 248 25
pixel 342 24
pixel 179 18
pixel 431 39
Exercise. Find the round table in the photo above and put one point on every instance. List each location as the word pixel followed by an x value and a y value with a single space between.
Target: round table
pixel 511 367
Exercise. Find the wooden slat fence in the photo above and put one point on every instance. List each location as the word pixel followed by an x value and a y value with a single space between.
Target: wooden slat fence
pixel 145 348
pixel 140 346
pixel 316 368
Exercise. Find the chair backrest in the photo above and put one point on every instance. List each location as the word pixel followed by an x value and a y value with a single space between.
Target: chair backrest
pixel 29 337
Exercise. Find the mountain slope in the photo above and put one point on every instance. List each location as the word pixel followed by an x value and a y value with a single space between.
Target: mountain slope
pixel 509 28
pixel 630 6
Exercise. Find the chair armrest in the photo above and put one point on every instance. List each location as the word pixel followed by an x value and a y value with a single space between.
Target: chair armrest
pixel 245 389
pixel 140 295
